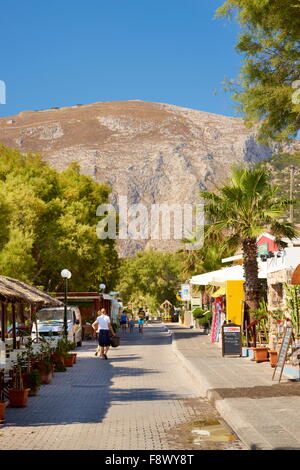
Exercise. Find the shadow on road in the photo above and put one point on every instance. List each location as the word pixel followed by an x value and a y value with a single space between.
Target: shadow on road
pixel 85 392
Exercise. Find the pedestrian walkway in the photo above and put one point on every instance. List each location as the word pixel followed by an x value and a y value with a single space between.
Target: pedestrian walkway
pixel 138 399
pixel 263 413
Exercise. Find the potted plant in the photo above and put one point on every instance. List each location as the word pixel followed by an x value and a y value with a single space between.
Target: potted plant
pixel 58 357
pixel 69 348
pixel 69 361
pixel 45 365
pixel 62 357
pixel 46 371
pixel 261 353
pixel 273 357
pixel 18 394
pixel 34 382
pixel 202 317
pixel 3 405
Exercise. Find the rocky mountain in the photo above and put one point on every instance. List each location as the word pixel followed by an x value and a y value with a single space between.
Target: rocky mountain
pixel 152 153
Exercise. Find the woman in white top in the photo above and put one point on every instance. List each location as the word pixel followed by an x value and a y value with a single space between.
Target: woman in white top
pixel 105 330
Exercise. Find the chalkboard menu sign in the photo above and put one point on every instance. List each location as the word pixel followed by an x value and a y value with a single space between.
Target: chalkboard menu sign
pixel 287 338
pixel 231 339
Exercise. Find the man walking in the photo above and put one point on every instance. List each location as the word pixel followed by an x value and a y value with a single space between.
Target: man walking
pixel 105 330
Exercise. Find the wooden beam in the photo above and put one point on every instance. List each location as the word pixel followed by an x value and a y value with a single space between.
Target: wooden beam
pixel 13 306
pixel 3 323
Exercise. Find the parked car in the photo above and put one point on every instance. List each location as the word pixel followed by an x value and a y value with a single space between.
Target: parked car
pixel 50 322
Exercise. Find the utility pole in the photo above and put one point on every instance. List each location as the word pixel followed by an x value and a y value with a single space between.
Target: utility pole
pixel 292 173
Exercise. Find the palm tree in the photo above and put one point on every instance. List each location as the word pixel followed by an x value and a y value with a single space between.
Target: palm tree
pixel 241 210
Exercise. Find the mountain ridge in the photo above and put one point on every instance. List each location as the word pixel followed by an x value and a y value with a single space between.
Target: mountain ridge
pixel 154 153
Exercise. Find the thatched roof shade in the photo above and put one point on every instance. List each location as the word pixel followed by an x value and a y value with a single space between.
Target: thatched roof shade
pixel 13 290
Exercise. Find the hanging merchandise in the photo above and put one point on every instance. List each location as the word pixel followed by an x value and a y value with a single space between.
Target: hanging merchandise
pixel 218 319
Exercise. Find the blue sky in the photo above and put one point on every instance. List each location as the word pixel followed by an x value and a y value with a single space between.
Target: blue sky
pixel 67 52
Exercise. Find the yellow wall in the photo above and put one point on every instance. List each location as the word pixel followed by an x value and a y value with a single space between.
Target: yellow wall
pixel 234 304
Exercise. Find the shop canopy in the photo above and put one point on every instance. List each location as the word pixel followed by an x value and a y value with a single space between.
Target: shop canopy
pixel 203 279
pixel 233 273
pixel 219 278
pixel 15 291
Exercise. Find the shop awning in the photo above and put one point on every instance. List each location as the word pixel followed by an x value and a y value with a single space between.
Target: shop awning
pixel 219 277
pixel 233 273
pixel 203 279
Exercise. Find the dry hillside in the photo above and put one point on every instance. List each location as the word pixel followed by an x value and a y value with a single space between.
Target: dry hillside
pixel 151 152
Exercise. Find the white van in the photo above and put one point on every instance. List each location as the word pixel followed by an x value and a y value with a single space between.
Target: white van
pixel 50 321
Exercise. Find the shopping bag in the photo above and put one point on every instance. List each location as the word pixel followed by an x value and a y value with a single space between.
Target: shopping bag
pixel 115 341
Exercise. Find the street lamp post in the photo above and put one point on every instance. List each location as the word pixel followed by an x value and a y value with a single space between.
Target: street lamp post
pixel 66 274
pixel 102 288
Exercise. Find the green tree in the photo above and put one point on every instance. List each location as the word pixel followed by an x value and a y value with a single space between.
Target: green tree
pixel 279 169
pixel 48 222
pixel 241 210
pixel 269 43
pixel 149 278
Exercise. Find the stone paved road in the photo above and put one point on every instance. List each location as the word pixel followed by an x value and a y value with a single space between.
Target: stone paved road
pixel 141 398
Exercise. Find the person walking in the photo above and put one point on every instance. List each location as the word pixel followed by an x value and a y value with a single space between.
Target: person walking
pixel 123 322
pixel 141 322
pixel 105 330
pixel 131 325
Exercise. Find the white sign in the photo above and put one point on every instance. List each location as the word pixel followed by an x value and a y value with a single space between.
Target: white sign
pixel 186 292
pixel 231 329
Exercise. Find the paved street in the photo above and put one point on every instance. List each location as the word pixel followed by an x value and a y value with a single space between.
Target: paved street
pixel 141 398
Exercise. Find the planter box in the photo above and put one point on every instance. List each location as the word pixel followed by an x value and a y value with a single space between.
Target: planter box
pixel 46 378
pixel 273 356
pixel 59 362
pixel 69 361
pixel 18 397
pixel 3 405
pixel 261 354
pixel 74 356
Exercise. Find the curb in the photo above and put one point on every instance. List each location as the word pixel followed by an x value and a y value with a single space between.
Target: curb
pixel 235 420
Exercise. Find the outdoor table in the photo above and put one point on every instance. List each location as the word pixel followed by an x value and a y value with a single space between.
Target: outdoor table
pixel 6 365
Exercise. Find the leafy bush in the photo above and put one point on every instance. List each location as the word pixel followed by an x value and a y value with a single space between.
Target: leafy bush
pixel 198 312
pixel 203 316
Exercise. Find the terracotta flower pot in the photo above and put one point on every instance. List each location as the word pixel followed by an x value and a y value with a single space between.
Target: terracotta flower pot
pixel 46 378
pixel 57 358
pixel 273 356
pixel 74 355
pixel 59 362
pixel 69 361
pixel 3 405
pixel 45 371
pixel 18 397
pixel 261 354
